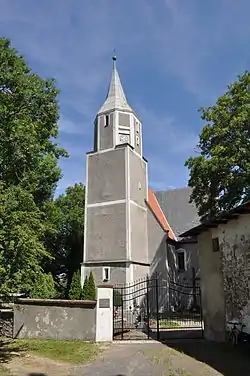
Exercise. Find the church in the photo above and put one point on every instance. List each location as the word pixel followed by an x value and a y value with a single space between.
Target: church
pixel 131 231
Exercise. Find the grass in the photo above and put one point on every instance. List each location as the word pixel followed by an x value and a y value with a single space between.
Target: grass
pixel 75 352
pixel 166 324
pixel 4 372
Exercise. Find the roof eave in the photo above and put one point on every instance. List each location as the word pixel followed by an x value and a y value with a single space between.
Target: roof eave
pixel 223 218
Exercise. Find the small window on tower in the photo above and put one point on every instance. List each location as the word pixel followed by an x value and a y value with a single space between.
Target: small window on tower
pixel 216 245
pixel 106 120
pixel 137 140
pixel 106 274
pixel 137 127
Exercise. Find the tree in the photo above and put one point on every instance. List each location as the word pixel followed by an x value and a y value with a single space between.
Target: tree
pixel 85 289
pixel 29 169
pixel 21 250
pixel 44 288
pixel 220 175
pixel 66 234
pixel 75 291
pixel 91 287
pixel 28 118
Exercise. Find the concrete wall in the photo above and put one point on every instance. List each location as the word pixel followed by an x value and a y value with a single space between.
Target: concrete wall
pixel 137 178
pixel 157 246
pixel 163 258
pixel 138 133
pixel 234 241
pixel 225 276
pixel 140 271
pixel 212 289
pixel 106 176
pixel 106 234
pixel 116 214
pixel 124 119
pixel 105 134
pixel 60 320
pixel 191 251
pixel 163 254
pixel 104 317
pixel 138 234
pixel 118 272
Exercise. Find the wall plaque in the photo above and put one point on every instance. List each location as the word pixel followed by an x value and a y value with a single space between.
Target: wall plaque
pixel 104 303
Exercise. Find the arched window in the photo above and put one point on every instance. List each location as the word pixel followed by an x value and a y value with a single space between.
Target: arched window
pixel 181 260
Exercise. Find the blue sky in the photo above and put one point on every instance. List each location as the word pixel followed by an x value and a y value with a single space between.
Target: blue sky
pixel 174 56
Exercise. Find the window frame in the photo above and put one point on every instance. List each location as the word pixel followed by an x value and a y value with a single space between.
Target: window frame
pixel 106 120
pixel 184 252
pixel 216 244
pixel 137 127
pixel 104 269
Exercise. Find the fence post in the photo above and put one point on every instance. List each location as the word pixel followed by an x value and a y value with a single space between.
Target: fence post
pixel 122 312
pixel 194 288
pixel 201 313
pixel 104 313
pixel 157 307
pixel 148 305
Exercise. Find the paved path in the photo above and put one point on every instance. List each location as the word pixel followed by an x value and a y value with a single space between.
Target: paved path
pixel 148 358
pixel 179 358
pixel 144 359
pixel 123 359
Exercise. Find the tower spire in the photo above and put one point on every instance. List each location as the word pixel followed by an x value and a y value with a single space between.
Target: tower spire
pixel 115 98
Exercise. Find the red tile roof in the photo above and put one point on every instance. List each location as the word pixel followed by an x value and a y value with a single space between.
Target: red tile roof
pixel 156 209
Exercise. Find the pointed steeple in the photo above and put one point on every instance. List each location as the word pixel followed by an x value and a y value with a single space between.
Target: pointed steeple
pixel 116 98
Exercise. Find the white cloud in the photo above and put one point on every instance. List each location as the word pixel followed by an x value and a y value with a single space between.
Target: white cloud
pixel 73 41
pixel 170 135
pixel 167 150
pixel 70 127
pixel 189 35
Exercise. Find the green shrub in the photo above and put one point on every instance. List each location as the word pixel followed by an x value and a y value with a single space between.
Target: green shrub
pixel 44 287
pixel 75 290
pixel 91 287
pixel 85 290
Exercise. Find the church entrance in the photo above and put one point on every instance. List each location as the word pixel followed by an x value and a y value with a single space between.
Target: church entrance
pixel 157 308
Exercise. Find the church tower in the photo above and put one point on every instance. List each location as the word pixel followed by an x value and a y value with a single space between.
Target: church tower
pixel 116 239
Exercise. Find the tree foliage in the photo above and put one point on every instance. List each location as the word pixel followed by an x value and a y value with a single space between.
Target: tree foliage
pixel 28 118
pixel 91 287
pixel 29 168
pixel 44 287
pixel 21 250
pixel 220 175
pixel 75 291
pixel 85 289
pixel 65 237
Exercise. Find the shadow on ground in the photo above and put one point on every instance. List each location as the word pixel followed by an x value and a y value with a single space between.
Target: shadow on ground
pixel 226 360
pixel 8 350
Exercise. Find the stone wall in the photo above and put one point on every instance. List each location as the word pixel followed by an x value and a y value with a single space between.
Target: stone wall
pixel 234 242
pixel 55 319
pixel 6 323
pixel 225 276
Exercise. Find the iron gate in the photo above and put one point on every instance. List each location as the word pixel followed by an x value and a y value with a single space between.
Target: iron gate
pixel 156 308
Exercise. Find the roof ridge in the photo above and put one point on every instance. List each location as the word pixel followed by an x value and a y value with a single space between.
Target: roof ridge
pixel 159 213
